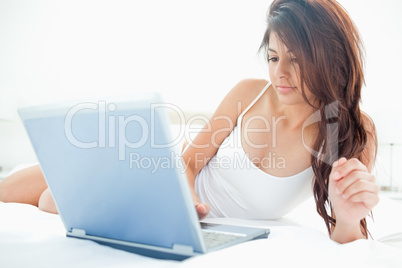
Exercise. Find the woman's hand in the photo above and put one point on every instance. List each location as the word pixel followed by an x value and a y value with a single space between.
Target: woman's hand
pixel 202 210
pixel 352 191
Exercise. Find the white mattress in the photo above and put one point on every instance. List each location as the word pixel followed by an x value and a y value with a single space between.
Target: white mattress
pixel 32 238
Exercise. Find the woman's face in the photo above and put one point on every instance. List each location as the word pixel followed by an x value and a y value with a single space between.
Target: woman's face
pixel 284 73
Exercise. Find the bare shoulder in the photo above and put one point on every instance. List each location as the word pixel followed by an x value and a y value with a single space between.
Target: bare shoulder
pixel 368 122
pixel 221 124
pixel 244 92
pixel 370 150
pixel 250 87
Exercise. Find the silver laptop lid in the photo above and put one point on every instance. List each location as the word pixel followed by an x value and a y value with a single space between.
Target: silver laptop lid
pixel 113 171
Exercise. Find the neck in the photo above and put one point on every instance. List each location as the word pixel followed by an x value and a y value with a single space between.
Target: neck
pixel 296 115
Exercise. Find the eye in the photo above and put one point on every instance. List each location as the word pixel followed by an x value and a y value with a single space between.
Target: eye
pixel 293 60
pixel 273 59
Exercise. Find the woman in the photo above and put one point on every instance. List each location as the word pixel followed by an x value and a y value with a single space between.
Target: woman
pixel 269 142
pixel 316 69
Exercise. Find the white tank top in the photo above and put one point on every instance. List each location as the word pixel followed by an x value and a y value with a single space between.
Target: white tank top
pixel 235 187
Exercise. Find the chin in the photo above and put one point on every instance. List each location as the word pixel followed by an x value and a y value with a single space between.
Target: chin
pixel 291 99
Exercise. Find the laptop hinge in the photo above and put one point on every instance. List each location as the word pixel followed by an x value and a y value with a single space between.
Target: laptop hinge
pixel 184 249
pixel 78 232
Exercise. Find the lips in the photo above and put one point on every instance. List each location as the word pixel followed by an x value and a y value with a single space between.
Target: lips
pixel 285 89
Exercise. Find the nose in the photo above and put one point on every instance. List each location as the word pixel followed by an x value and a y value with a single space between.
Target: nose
pixel 282 69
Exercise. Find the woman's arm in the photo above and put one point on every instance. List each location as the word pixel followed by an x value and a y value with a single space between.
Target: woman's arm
pixel 207 142
pixel 353 191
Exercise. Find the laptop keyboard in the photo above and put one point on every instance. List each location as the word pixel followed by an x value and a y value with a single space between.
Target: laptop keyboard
pixel 214 238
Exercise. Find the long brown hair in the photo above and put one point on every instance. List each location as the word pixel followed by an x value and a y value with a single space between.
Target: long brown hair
pixel 329 52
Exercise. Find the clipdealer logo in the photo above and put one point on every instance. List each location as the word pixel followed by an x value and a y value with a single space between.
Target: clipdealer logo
pixel 329 154
pixel 115 134
pixel 112 131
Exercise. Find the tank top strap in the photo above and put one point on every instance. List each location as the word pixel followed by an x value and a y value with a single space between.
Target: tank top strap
pixel 256 99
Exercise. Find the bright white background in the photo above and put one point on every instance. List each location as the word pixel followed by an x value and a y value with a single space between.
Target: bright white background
pixel 191 51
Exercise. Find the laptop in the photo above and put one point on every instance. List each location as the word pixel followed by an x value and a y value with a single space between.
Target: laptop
pixel 117 177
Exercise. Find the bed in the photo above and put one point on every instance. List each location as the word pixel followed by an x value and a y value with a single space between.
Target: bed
pixel 32 238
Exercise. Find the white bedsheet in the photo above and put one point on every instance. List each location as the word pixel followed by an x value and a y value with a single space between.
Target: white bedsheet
pixel 32 238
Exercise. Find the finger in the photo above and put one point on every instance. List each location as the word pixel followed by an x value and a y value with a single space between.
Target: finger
pixel 335 175
pixel 368 199
pixel 202 210
pixel 344 169
pixel 360 186
pixel 340 162
pixel 351 178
